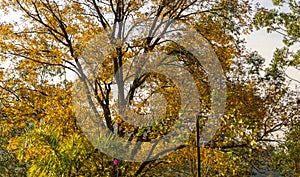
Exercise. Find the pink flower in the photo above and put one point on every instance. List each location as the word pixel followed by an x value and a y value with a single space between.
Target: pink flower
pixel 116 162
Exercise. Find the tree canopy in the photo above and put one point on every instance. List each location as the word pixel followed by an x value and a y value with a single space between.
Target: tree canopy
pixel 79 75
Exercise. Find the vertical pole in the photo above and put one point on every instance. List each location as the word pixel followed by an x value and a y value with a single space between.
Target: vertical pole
pixel 198 145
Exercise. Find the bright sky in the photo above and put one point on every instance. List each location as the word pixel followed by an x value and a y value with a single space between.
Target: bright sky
pixel 266 45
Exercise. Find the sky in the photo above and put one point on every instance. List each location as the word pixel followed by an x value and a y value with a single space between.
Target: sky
pixel 265 44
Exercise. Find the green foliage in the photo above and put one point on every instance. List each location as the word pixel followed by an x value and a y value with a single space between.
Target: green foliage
pixel 285 22
pixel 286 159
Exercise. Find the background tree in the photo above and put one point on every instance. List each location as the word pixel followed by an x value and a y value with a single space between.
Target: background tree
pixel 284 19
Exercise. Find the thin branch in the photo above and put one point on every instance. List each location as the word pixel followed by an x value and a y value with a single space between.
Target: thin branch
pixel 41 62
